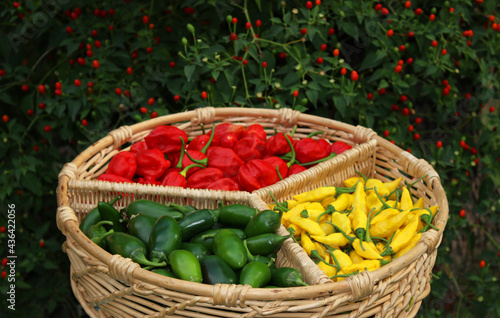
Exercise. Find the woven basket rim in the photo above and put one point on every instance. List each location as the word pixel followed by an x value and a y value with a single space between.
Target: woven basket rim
pixel 303 292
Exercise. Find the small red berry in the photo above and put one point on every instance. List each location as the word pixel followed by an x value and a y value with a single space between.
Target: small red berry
pixel 264 64
pixel 58 92
pixel 416 136
pixel 235 20
pixel 432 17
pixel 129 70
pixel 282 55
pixel 394 107
pixel 97 44
pixel 89 53
pixel 90 84
pixel 177 98
pixel 4 274
pixel 403 98
pixel 95 64
pixel 77 82
pixel 369 96
pixel 410 34
pixel 418 120
pixel 84 123
pixel 171 64
pixel 354 76
pixel 36 148
pixel 309 5
pixel 30 112
pixel 405 111
pixel 25 87
pixel 233 37
pixel 143 110
pixel 118 91
pixel 402 47
pixel 5 118
pixel 322 47
pixel 444 52
pixel 154 114
pixel 295 93
pixel 381 91
pixel 331 31
pixel 439 144
pixel 418 11
pixel 248 25
pixel 41 105
pixel 204 95
pixel 69 29
pixel 245 62
pixel 409 60
pixel 390 32
pixel 336 52
pixel 482 264
pixel 386 133
pixel 2 73
pixel 434 43
pixel 15 5
pixel 303 31
pixel 318 2
pixel 410 128
pixel 93 33
pixel 446 91
pixel 343 71
pixel 151 101
pixel 80 61
pixel 492 109
pixel 2 229
pixel 384 11
pixel 398 69
pixel 47 128
pixel 407 4
pixel 378 7
pixel 451 10
pixel 319 60
pixel 258 23
pixel 4 262
pixel 145 19
pixel 492 18
pixel 149 49
pixel 41 243
pixel 41 89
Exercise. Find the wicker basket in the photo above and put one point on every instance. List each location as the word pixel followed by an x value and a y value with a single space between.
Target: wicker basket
pixel 110 285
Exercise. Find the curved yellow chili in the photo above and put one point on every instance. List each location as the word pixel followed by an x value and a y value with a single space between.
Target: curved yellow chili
pixel 306 243
pixel 329 270
pixel 403 237
pixel 352 181
pixel 342 221
pixel 359 212
pixel 378 185
pixel 393 185
pixel 341 257
pixel 317 194
pixel 411 244
pixel 406 201
pixel 384 215
pixel 388 226
pixel 307 225
pixel 369 265
pixel 355 257
pixel 367 251
pixel 333 240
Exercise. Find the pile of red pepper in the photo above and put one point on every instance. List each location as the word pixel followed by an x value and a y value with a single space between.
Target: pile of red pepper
pixel 230 157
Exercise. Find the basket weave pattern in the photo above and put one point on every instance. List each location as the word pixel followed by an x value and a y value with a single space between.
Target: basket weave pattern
pixel 120 288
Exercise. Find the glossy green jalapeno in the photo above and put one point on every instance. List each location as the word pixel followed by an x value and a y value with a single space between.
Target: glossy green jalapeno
pixel 265 244
pixel 185 266
pixel 164 238
pixel 216 271
pixel 131 247
pixel 206 238
pixel 266 221
pixel 286 277
pixel 236 215
pixel 141 226
pixel 197 222
pixel 230 248
pixel 256 274
pixel 155 209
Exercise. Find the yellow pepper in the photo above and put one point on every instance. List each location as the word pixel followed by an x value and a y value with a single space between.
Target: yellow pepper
pixel 327 201
pixel 317 194
pixel 297 230
pixel 295 211
pixel 386 227
pixel 384 215
pixel 291 203
pixel 393 204
pixel 322 251
pixel 342 221
pixel 367 251
pixel 373 202
pixel 393 185
pixel 411 244
pixel 402 238
pixel 369 265
pixel 378 186
pixel 307 225
pixel 271 206
pixel 328 228
pixel 314 210
pixel 359 212
pixel 333 240
pixel 380 247
pixel 329 270
pixel 343 202
pixel 352 181
pixel 419 203
pixel 342 258
pixel 355 257
pixel 306 243
pixel 406 201
pixel 340 278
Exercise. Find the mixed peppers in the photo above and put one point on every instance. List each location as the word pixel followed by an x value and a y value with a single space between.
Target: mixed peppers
pixel 232 244
pixel 229 157
pixel 359 227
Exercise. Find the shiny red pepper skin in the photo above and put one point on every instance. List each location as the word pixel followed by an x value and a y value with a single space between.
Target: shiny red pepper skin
pixel 151 162
pixel 148 180
pixel 294 169
pixel 138 146
pixel 174 179
pixel 309 150
pixel 324 143
pixel 198 142
pixel 166 138
pixel 225 128
pixel 250 147
pixel 202 178
pixel 113 178
pixel 339 147
pixel 228 140
pixel 277 145
pixel 123 164
pixel 195 154
pixel 256 174
pixel 255 129
pixel 225 184
pixel 280 163
pixel 224 159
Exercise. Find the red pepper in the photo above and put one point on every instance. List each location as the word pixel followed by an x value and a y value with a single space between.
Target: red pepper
pixel 151 162
pixel 339 147
pixel 294 169
pixel 255 129
pixel 198 142
pixel 279 165
pixel 225 184
pixel 202 178
pixel 225 128
pixel 224 159
pixel 228 140
pixel 324 143
pixel 166 138
pixel 250 147
pixel 148 180
pixel 138 146
pixel 123 164
pixel 308 150
pixel 175 178
pixel 256 174
pixel 113 178
pixel 277 145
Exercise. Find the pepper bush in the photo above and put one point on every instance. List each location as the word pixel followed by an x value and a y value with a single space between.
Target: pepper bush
pixel 423 74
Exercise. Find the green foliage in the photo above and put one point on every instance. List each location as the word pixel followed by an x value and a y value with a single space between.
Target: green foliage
pixel 440 106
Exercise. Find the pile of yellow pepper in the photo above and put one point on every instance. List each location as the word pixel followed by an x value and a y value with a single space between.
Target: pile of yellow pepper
pixel 362 226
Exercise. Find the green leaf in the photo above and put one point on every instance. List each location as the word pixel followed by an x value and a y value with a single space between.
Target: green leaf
pixel 340 104
pixel 372 60
pixel 312 95
pixel 258 4
pixel 74 109
pixel 189 70
pixel 351 29
pixel 31 182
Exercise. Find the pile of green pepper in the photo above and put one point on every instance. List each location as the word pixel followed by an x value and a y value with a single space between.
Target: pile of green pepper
pixel 232 244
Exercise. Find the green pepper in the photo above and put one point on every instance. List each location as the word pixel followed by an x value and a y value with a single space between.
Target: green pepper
pixel 164 238
pixel 155 209
pixel 256 274
pixel 265 244
pixel 109 213
pixel 185 266
pixel 97 233
pixel 197 222
pixel 287 277
pixel 94 216
pixel 267 221
pixel 236 215
pixel 131 247
pixel 199 250
pixel 230 248
pixel 141 226
pixel 266 260
pixel 206 238
pixel 216 271
pixel 164 272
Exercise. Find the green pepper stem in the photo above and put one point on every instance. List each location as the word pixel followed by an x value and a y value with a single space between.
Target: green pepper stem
pixel 350 238
pixel 292 160
pixel 345 275
pixel 362 176
pixel 315 254
pixel 367 234
pixel 203 161
pixel 314 133
pixel 278 171
pixel 204 149
pixel 184 172
pixel 329 249
pixel 387 206
pixel 113 201
pixel 183 151
pixel 250 256
pixel 293 130
pixel 277 203
pixel 330 156
pixel 330 209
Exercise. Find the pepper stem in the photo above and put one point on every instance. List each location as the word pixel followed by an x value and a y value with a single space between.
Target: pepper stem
pixel 250 256
pixel 329 249
pixel 330 156
pixel 293 130
pixel 362 175
pixel 113 201
pixel 183 151
pixel 345 275
pixel 279 205
pixel 350 238
pixel 367 234
pixel 315 254
pixel 204 149
pixel 278 171
pixel 330 209
pixel 184 172
pixel 292 150
pixel 314 133
pixel 203 162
